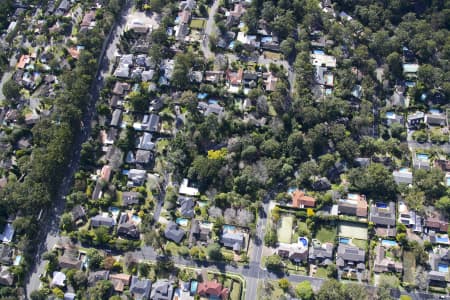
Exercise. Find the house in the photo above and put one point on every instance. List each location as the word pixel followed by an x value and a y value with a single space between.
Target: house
pixel 398 98
pixel 250 42
pixel 162 290
pixel 97 276
pixel 410 69
pixel 128 230
pixel 173 232
pixel 403 176
pixel 186 190
pixel 143 157
pixel 23 61
pixel 137 26
pixel 321 254
pixel 354 204
pixel 436 119
pixel 212 290
pixel 97 193
pixel 87 22
pixel 8 233
pixel 140 289
pixel 63 8
pixel 384 264
pixel 409 218
pixel 436 277
pixel 233 240
pixel 210 108
pixel 421 161
pixel 296 252
pixel 300 200
pixel 58 279
pixel 324 77
pixel 383 216
pixel 270 82
pixel 442 164
pixel 105 173
pixel 439 261
pixel 116 118
pixel 100 220
pixel 68 262
pixel 352 256
pixel 362 162
pixel 321 184
pixel 436 224
pixel 6 277
pixel 137 177
pixel 150 123
pixel 200 232
pixel 69 296
pixel 120 88
pixel 187 205
pixel 145 142
pixel 235 79
pixel 120 281
pixel 78 213
pixel 5 254
pixel 415 119
pixel 320 59
pixel 213 76
pixel 250 79
pixel 130 198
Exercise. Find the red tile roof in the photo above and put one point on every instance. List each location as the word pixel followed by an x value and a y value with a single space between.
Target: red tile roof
pixel 299 199
pixel 212 288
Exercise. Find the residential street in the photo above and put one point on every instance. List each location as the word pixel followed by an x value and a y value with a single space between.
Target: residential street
pixel 209 29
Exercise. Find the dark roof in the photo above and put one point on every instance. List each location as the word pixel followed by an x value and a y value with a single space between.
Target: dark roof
pixel 140 288
pixel 78 212
pixel 5 254
pixel 97 276
pixel 162 290
pixel 173 232
pixel 187 205
pixel 383 216
pixel 130 198
pixel 350 253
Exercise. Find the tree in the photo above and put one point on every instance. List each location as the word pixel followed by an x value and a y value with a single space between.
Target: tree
pixel 38 295
pixel 95 259
pixel 274 263
pixel 270 238
pixel 331 271
pixel 330 289
pixel 443 204
pixel 214 252
pixel 101 290
pixel 183 64
pixel 394 62
pixel 354 291
pixel 287 47
pixel 67 223
pixel 375 181
pixel 79 280
pixel 304 290
pixel 11 90
pixel 284 284
pixel 430 182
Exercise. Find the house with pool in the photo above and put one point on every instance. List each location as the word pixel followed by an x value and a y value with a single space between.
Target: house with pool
pixel 353 205
pixel 383 216
pixel 296 252
pixel 439 262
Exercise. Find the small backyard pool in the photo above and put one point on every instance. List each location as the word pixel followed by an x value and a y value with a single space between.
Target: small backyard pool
pixel 194 284
pixel 381 205
pixel 443 268
pixel 17 260
pixel 442 239
pixel 388 243
pixel 318 51
pixel 344 241
pixel 447 180
pixel 303 241
pixel 228 228
pixel 422 156
pixel 182 221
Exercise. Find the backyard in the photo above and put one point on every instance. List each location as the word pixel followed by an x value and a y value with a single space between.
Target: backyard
pixel 197 24
pixel 409 266
pixel 326 234
pixel 353 230
pixel 285 230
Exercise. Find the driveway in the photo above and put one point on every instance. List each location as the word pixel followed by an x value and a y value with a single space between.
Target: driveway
pixel 210 28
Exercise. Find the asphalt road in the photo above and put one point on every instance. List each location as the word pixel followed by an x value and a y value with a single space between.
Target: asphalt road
pixel 209 29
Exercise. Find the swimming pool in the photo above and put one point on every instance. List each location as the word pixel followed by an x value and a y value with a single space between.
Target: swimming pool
pixel 213 101
pixel 182 221
pixel 194 284
pixel 303 241
pixel 442 239
pixel 136 218
pixel 17 260
pixel 422 156
pixel 231 46
pixel 228 228
pixel 448 181
pixel 202 96
pixel 344 241
pixel 317 51
pixel 291 190
pixel 390 114
pixel 403 170
pixel 381 205
pixel 443 268
pixel 435 111
pixel 388 243
pixel 114 210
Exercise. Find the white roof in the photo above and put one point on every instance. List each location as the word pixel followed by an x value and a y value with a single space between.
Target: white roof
pixel 323 59
pixel 185 190
pixel 7 234
pixel 58 279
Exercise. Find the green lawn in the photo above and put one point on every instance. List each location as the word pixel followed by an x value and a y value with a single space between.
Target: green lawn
pixel 353 230
pixel 409 266
pixel 326 234
pixel 321 273
pixel 197 24
pixel 362 244
pixel 285 231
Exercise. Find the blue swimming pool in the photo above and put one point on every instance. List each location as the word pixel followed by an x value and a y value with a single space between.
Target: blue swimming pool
pixel 182 221
pixel 390 114
pixel 435 111
pixel 303 241
pixel 422 156
pixel 114 210
pixel 202 96
pixel 443 268
pixel 228 228
pixel 17 260
pixel 381 205
pixel 448 181
pixel 388 243
pixel 291 190
pixel 231 46
pixel 194 285
pixel 135 218
pixel 344 241
pixel 317 51
pixel 213 101
pixel 403 170
pixel 442 239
